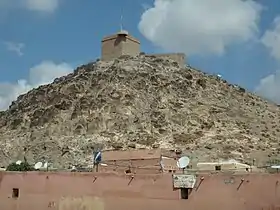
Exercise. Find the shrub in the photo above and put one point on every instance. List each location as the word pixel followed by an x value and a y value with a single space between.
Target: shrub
pixel 24 166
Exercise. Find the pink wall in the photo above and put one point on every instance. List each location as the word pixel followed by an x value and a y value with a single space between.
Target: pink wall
pixel 147 166
pixel 44 191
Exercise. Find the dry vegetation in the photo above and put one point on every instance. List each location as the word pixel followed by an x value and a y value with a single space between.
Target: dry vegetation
pixel 137 102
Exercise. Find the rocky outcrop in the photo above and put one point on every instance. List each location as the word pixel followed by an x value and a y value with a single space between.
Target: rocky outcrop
pixel 136 102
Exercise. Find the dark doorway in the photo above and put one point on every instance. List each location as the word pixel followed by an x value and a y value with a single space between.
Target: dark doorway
pixel 184 193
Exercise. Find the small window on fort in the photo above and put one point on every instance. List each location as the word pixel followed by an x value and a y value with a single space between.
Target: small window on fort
pixel 184 193
pixel 218 168
pixel 15 193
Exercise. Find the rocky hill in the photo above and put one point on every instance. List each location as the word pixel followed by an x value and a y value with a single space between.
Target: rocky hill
pixel 138 102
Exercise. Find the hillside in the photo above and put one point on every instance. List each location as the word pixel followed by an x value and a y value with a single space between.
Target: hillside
pixel 136 102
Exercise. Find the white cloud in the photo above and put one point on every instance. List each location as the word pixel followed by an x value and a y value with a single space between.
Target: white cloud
pixel 42 5
pixel 269 87
pixel 199 26
pixel 15 47
pixel 41 74
pixel 271 39
pixel 46 6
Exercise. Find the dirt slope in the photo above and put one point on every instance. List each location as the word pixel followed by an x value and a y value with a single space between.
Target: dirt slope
pixel 138 102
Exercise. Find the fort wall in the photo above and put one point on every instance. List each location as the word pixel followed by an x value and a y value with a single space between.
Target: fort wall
pixel 108 191
pixel 122 43
pixel 180 58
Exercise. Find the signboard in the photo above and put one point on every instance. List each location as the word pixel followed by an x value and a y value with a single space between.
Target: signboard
pixel 183 180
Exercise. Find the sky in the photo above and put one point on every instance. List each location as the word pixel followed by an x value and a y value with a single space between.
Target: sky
pixel 44 39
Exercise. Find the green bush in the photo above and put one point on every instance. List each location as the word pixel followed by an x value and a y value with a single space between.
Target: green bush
pixel 24 166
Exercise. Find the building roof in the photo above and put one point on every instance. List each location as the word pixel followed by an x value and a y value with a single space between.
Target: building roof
pixel 120 33
pixel 131 155
pixel 234 162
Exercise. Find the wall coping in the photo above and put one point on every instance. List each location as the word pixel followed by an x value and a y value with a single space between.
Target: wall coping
pixel 116 174
pixel 115 36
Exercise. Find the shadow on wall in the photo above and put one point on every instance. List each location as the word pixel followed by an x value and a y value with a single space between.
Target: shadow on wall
pixel 119 39
pixel 83 203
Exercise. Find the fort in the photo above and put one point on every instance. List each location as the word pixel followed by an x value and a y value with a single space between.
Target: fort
pixel 122 43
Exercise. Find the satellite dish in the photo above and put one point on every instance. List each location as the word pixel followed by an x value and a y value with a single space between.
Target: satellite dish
pixel 276 167
pixel 45 165
pixel 97 157
pixel 183 162
pixel 38 165
pixel 18 162
pixel 73 169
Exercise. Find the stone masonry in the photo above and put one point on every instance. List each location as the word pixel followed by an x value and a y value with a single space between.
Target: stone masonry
pixel 122 43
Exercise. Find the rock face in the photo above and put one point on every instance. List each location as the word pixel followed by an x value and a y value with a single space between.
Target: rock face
pixel 136 102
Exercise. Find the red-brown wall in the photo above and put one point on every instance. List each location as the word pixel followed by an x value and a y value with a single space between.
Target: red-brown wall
pixel 45 191
pixel 147 166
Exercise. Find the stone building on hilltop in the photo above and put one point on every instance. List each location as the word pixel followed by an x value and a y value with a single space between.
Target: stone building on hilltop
pixel 119 44
pixel 122 43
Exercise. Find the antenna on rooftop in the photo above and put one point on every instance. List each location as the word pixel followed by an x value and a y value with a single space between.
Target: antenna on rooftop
pixel 122 31
pixel 121 21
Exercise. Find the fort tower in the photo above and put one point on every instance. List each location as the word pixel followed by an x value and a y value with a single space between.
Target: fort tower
pixel 118 44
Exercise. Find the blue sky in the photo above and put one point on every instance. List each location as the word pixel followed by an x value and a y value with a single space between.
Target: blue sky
pixel 61 34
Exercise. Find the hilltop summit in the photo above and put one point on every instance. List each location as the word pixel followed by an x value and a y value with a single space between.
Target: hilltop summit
pixel 138 102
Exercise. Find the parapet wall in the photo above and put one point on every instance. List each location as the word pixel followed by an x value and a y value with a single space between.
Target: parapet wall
pixel 180 58
pixel 108 191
